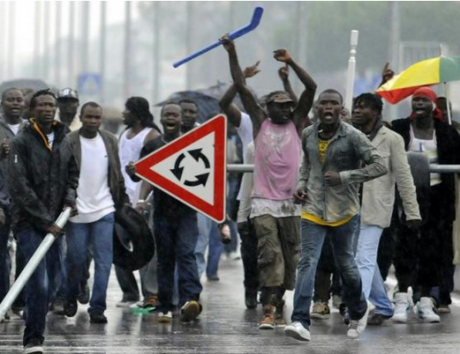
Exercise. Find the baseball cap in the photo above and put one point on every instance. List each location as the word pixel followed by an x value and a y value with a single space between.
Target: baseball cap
pixel 279 97
pixel 68 93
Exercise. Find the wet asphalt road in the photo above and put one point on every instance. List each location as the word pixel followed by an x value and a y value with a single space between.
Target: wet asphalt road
pixel 225 326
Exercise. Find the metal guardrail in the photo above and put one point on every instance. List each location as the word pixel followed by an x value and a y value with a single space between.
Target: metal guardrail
pixel 244 168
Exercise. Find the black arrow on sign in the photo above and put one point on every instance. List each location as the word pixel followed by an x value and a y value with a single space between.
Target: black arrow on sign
pixel 177 170
pixel 200 179
pixel 197 155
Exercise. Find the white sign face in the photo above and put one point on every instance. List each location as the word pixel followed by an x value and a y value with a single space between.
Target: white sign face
pixel 192 168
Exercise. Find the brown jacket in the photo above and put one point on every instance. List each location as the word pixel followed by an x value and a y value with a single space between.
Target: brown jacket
pixel 115 178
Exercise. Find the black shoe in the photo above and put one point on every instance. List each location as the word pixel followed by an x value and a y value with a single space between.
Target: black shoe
pixel 83 298
pixel 190 311
pixel 213 277
pixel 97 316
pixel 58 306
pixel 34 346
pixel 250 298
pixel 70 308
pixel 377 319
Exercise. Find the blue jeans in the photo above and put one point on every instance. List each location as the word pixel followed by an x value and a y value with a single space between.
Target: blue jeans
pixel 208 234
pixel 176 241
pixel 366 259
pixel 79 237
pixel 4 258
pixel 342 244
pixel 46 277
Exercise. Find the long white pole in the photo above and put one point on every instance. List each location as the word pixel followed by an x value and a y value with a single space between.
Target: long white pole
pixel 351 69
pixel 33 263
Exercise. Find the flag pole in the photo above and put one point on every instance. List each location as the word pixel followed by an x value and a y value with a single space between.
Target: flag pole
pixel 444 85
pixel 449 114
pixel 351 69
pixel 33 263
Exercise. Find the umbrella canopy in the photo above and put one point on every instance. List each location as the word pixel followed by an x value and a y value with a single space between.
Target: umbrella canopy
pixel 207 99
pixel 424 73
pixel 207 106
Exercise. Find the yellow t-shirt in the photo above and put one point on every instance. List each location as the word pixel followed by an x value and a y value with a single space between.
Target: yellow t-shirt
pixel 322 148
pixel 319 221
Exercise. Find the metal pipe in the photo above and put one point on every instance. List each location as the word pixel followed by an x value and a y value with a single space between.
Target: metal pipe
pixel 351 70
pixel 57 31
pixel 84 49
pixel 127 51
pixel 70 46
pixel 11 40
pixel 156 51
pixel 102 41
pixel 444 168
pixel 33 263
pixel 46 42
pixel 244 168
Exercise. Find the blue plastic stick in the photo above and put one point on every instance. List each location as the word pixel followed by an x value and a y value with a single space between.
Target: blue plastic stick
pixel 258 11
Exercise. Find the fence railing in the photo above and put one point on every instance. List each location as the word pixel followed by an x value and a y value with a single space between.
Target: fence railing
pixel 245 168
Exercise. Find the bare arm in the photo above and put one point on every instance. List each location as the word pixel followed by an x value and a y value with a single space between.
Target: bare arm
pixel 146 189
pixel 300 114
pixel 283 73
pixel 231 111
pixel 151 135
pixel 387 74
pixel 250 103
pixel 225 103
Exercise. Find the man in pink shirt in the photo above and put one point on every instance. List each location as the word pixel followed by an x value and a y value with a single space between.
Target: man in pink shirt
pixel 277 159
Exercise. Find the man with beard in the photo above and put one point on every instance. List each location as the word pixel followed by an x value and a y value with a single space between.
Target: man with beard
pixel 276 163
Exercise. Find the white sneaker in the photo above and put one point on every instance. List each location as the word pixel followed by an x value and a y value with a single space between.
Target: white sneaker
pixel 356 328
pixel 402 308
pixel 136 305
pixel 165 317
pixel 297 331
pixel 424 311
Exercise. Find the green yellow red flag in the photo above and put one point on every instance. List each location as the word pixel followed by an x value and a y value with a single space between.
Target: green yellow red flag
pixel 423 73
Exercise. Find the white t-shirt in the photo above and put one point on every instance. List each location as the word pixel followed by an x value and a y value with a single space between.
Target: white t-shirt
pixel 14 128
pixel 50 139
pixel 245 132
pixel 94 200
pixel 130 150
pixel 429 148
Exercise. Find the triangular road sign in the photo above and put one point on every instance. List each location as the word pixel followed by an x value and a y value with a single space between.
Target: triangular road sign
pixel 192 168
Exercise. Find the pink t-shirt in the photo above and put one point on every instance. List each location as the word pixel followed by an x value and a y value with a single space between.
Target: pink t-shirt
pixel 276 161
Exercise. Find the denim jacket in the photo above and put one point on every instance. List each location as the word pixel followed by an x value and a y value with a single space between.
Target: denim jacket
pixel 348 150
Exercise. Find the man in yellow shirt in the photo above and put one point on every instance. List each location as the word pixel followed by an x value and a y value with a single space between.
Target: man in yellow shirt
pixel 334 154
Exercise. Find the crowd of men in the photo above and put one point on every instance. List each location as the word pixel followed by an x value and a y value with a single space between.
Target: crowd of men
pixel 324 194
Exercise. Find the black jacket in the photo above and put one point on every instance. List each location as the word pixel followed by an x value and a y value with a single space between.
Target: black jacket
pixel 40 180
pixel 448 145
pixel 115 178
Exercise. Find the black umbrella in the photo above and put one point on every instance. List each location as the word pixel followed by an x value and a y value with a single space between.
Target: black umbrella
pixel 207 99
pixel 207 106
